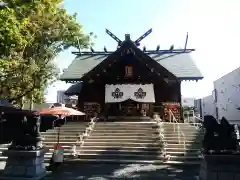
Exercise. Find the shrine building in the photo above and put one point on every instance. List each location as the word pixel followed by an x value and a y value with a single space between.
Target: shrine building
pixel 130 81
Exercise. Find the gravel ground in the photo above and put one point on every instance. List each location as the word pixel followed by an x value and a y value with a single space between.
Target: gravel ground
pixel 124 171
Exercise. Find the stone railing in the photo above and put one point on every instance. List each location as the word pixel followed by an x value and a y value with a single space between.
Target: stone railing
pixel 84 135
pixel 160 131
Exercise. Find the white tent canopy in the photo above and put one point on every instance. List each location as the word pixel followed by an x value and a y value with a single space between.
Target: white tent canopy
pixel 136 92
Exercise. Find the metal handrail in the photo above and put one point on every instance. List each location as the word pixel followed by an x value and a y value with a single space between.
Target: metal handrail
pixel 179 130
pixel 197 125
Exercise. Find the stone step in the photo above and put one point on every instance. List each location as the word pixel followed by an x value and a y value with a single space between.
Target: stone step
pixel 185 158
pixel 186 137
pixel 183 163
pixel 181 126
pixel 61 137
pixel 183 153
pixel 64 141
pixel 185 133
pixel 181 146
pixel 120 126
pixel 143 152
pixel 121 151
pixel 132 144
pixel 123 161
pixel 114 161
pixel 131 148
pixel 182 140
pixel 187 150
pixel 124 131
pixel 144 126
pixel 67 129
pixel 118 156
pixel 138 140
pixel 149 134
pixel 64 133
pixel 129 122
pixel 75 125
pixel 110 137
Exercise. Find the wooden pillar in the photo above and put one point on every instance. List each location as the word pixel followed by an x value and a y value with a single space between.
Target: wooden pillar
pixel 106 106
pixel 151 109
pixel 180 101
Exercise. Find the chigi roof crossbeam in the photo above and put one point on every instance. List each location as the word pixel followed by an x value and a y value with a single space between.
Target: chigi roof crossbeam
pixel 171 51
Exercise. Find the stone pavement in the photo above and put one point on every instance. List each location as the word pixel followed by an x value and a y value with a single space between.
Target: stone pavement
pixel 79 171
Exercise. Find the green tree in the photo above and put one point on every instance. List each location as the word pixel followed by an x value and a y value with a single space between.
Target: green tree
pixel 32 34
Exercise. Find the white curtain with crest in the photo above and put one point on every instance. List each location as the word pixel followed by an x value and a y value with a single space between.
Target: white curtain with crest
pixel 136 92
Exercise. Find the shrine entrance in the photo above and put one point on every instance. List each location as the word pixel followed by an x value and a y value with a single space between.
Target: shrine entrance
pixel 129 108
pixel 129 100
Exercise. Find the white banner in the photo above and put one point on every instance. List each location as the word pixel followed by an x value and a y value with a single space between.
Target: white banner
pixel 136 92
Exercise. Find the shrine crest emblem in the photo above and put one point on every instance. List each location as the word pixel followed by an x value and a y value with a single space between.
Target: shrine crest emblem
pixel 117 94
pixel 140 94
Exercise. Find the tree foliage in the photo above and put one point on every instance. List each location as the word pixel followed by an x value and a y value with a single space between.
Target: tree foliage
pixel 32 33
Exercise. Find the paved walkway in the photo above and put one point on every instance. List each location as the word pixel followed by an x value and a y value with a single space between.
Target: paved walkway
pixel 123 171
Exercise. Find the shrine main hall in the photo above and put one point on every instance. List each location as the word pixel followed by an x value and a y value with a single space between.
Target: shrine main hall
pixel 130 81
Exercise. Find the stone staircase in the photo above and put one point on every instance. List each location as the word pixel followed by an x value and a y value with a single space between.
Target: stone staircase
pixel 122 142
pixel 3 147
pixel 69 135
pixel 126 142
pixel 183 147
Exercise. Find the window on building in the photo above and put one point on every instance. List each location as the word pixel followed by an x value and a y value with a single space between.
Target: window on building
pixel 214 94
pixel 128 71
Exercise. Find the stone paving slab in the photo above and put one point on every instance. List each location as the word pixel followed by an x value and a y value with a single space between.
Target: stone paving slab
pixel 124 171
pixel 88 171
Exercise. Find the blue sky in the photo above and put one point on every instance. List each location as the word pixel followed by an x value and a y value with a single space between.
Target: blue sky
pixel 213 27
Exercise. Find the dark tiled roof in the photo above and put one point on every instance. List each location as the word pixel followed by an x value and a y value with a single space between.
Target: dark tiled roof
pixel 74 89
pixel 181 65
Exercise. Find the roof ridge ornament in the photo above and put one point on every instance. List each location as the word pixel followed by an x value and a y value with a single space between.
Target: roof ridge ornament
pixel 158 52
pixel 127 37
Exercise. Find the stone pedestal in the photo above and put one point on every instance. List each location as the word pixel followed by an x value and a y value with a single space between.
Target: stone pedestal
pixel 24 165
pixel 220 167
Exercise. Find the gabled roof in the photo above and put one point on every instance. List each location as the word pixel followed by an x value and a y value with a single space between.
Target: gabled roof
pixel 81 65
pixel 178 62
pixel 181 65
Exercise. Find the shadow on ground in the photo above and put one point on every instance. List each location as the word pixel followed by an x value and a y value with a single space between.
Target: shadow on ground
pixel 76 170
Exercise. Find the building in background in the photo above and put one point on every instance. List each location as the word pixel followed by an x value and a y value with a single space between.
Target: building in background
pixel 198 107
pixel 226 95
pixel 61 97
pixel 188 102
pixel 224 100
pixel 64 99
pixel 208 106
